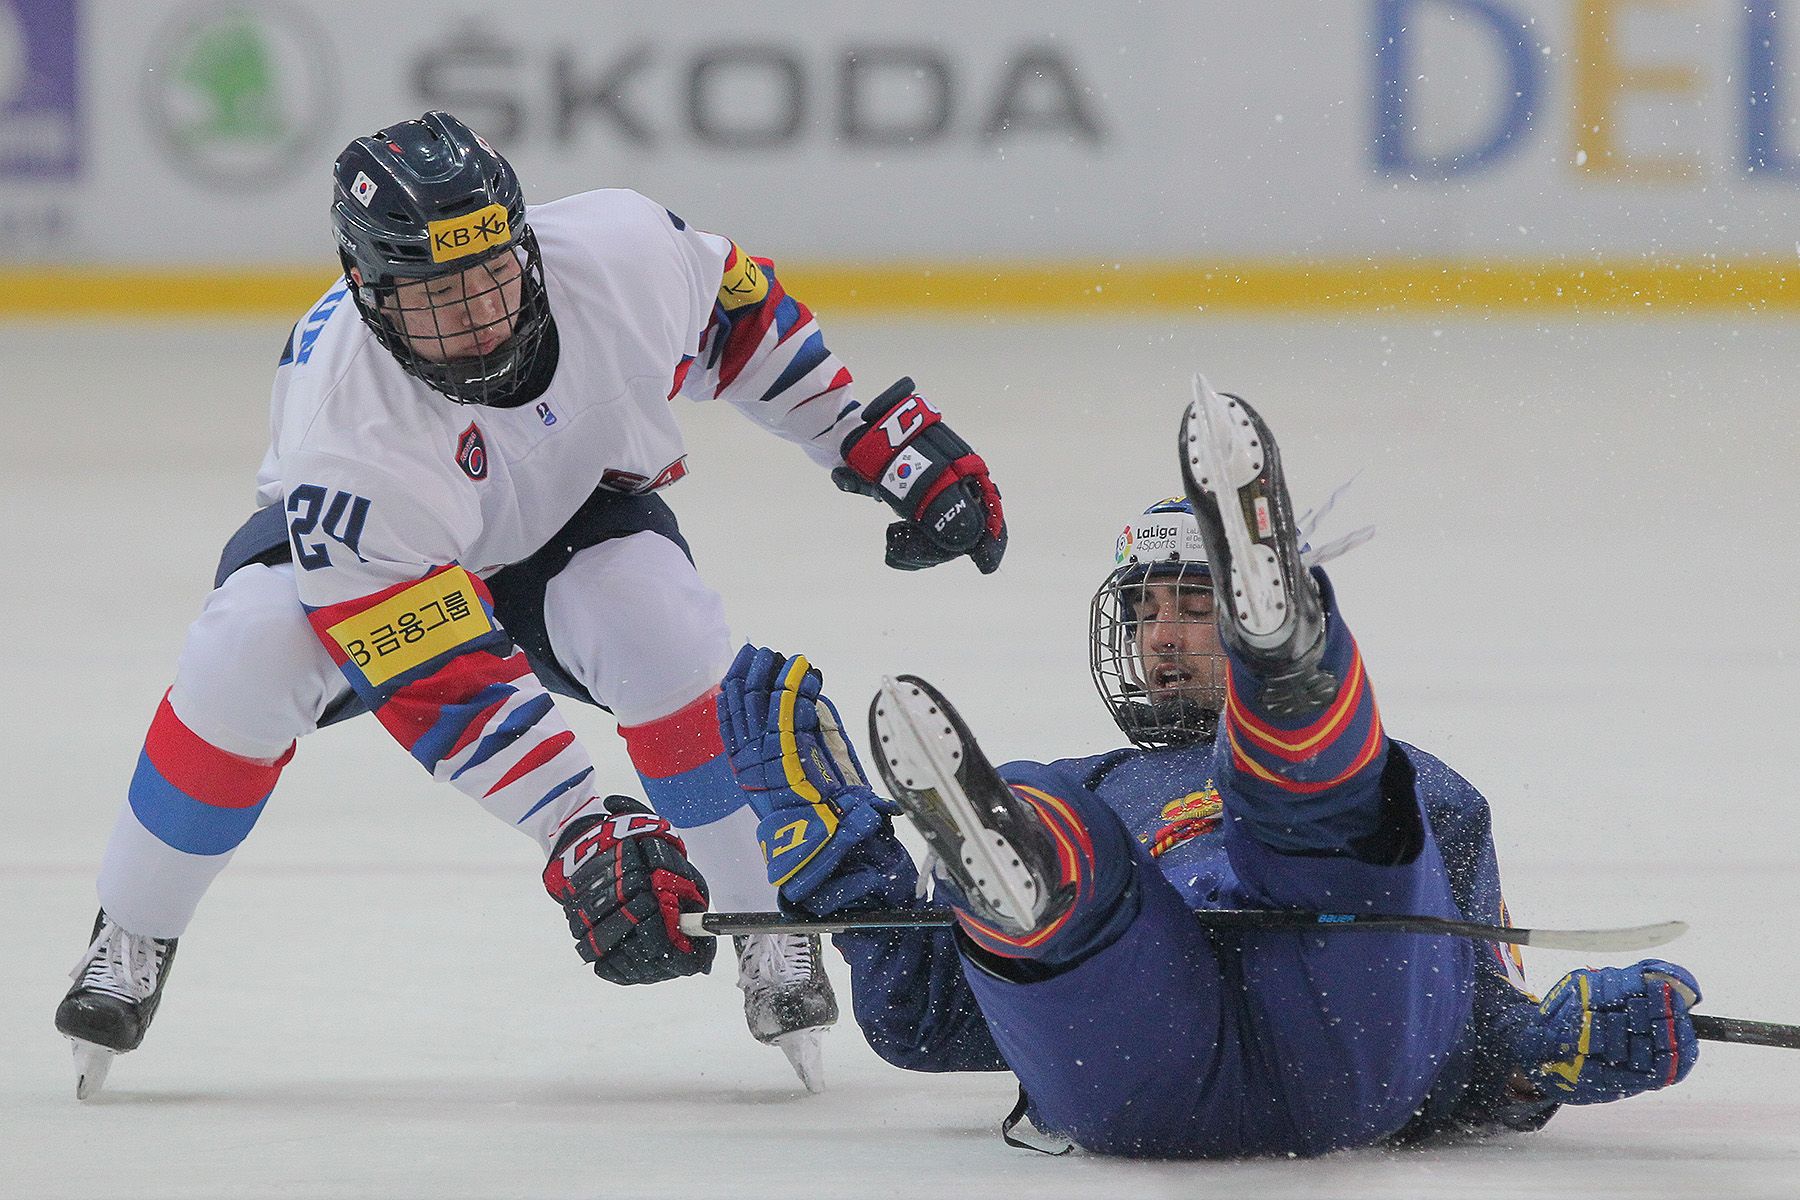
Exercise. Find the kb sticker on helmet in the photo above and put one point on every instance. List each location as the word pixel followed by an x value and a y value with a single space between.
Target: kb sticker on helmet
pixel 475 233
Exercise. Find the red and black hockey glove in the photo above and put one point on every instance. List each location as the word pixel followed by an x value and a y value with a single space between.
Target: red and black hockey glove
pixel 624 880
pixel 908 457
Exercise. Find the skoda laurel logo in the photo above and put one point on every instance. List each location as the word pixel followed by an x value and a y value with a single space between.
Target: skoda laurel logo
pixel 238 93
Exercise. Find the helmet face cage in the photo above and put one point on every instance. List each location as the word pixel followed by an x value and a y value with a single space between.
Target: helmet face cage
pixel 430 225
pixel 436 328
pixel 1115 659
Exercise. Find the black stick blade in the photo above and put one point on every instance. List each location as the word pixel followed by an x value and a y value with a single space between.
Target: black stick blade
pixel 1751 1033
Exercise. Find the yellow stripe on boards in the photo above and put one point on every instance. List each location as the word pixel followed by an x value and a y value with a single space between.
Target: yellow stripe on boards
pixel 1269 286
pixel 1014 288
pixel 79 292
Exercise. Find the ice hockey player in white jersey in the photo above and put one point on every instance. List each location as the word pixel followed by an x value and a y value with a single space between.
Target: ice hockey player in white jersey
pixel 458 517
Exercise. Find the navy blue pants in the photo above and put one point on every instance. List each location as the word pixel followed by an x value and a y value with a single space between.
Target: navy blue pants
pixel 1171 1040
pixel 1174 1041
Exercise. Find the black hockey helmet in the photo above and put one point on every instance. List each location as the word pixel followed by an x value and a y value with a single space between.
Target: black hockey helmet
pixel 429 199
pixel 1163 545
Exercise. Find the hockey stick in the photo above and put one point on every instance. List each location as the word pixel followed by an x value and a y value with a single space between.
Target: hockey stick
pixel 1637 937
pixel 1751 1033
pixel 1640 937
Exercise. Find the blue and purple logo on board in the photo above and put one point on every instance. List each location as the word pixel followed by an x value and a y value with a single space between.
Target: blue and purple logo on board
pixel 40 123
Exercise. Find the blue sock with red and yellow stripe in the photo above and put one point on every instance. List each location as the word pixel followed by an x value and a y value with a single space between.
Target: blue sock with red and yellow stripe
pixel 1313 783
pixel 1094 868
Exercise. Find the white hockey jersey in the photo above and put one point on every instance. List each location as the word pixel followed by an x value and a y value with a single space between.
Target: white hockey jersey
pixel 400 500
pixel 636 297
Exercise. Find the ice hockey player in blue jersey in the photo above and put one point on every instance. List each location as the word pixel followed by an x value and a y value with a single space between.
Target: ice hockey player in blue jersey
pixel 1259 777
pixel 459 514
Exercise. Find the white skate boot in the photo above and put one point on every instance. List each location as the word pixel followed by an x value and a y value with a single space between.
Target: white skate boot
pixel 992 846
pixel 788 1001
pixel 1269 608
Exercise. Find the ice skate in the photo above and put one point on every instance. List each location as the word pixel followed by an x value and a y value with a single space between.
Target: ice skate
pixel 118 984
pixel 992 846
pixel 1269 609
pixel 788 1001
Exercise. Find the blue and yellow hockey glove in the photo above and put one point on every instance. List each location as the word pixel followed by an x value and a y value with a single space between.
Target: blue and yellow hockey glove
pixel 790 755
pixel 1608 1033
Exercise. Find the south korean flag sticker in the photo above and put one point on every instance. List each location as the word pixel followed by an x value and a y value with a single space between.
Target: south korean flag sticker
pixel 908 467
pixel 363 188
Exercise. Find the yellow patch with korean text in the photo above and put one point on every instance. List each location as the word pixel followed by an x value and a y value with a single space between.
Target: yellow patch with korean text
pixel 476 233
pixel 744 283
pixel 412 627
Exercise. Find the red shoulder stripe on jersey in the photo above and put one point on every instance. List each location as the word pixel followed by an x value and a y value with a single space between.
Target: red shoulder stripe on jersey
pixel 681 374
pixel 748 326
pixel 745 329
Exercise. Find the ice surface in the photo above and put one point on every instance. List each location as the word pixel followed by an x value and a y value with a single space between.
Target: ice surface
pixel 1582 594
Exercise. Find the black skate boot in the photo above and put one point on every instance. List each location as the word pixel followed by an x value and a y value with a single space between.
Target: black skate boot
pixel 118 984
pixel 992 846
pixel 788 1001
pixel 1269 609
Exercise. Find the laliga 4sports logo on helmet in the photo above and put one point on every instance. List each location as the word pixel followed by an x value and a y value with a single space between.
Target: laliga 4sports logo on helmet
pixel 1166 533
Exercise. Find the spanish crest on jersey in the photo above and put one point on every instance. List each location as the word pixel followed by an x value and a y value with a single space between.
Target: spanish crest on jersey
pixel 1185 818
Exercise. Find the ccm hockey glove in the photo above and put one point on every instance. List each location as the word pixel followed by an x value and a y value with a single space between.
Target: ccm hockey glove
pixel 624 880
pixel 1608 1033
pixel 908 457
pixel 798 770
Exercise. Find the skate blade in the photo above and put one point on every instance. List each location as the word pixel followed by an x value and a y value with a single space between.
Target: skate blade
pixel 805 1050
pixel 91 1065
pixel 1221 454
pixel 920 755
